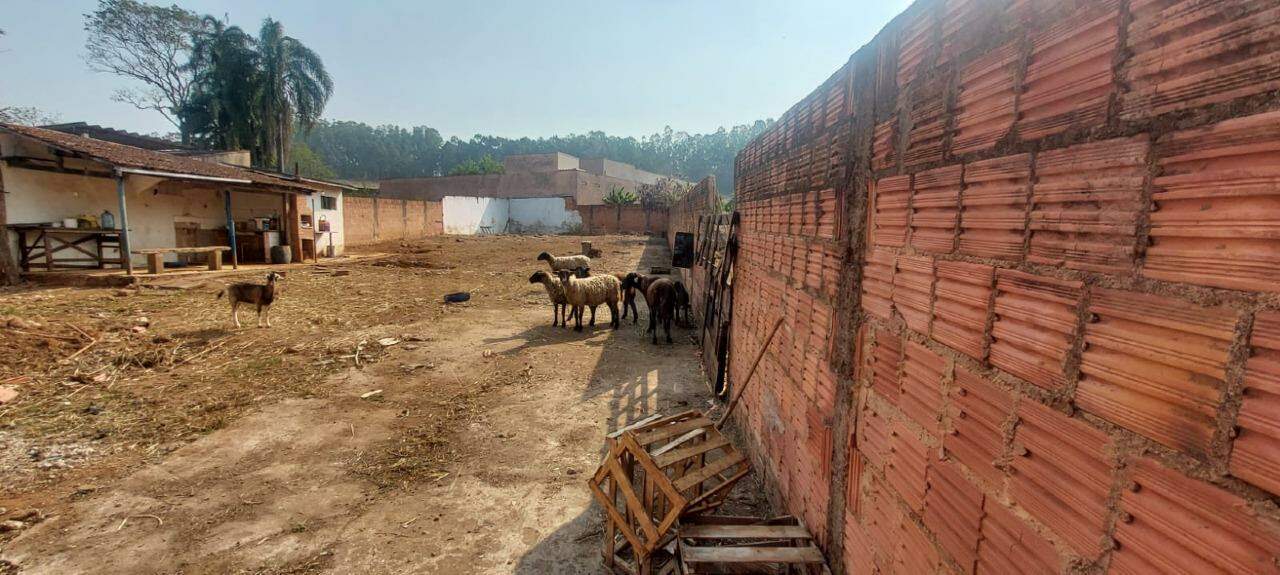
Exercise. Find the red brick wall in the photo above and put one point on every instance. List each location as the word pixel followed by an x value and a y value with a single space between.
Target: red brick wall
pixel 357 220
pixel 368 220
pixel 634 219
pixel 1028 253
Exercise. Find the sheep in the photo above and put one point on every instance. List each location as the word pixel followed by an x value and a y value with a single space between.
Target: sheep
pixel 683 305
pixel 639 281
pixel 661 296
pixel 592 291
pixel 628 294
pixel 555 291
pixel 628 297
pixel 565 262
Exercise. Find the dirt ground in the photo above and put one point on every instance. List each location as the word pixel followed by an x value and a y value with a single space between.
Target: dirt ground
pixel 373 429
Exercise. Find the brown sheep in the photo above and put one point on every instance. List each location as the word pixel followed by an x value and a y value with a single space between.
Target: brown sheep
pixel 683 305
pixel 661 296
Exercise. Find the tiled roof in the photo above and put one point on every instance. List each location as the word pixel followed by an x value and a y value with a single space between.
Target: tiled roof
pixel 123 156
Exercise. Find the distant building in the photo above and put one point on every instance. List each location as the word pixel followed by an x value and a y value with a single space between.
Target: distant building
pixel 536 192
pixel 554 175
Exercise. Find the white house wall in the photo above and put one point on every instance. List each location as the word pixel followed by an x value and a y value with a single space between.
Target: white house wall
pixel 35 197
pixel 542 215
pixel 466 215
pixel 335 219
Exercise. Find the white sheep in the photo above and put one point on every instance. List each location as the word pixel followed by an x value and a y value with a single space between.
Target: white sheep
pixel 565 262
pixel 591 292
pixel 555 291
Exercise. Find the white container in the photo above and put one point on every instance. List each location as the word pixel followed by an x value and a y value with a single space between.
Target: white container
pixel 69 222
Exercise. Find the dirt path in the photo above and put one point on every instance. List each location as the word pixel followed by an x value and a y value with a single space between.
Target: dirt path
pixel 472 459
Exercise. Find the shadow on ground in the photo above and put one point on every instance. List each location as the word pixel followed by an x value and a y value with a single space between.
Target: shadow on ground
pixel 635 390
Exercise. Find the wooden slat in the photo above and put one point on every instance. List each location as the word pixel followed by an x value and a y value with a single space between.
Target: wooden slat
pixel 681 416
pixel 808 555
pixel 672 430
pixel 744 532
pixel 704 502
pixel 738 520
pixel 633 502
pixel 667 459
pixel 635 425
pixel 615 517
pixel 677 442
pixel 708 472
pixel 676 500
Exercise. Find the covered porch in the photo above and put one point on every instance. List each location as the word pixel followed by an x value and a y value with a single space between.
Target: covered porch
pixel 75 204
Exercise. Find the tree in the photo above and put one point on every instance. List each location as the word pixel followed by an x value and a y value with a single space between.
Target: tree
pixel 485 165
pixel 220 113
pixel 149 44
pixel 27 116
pixel 294 89
pixel 663 193
pixel 360 151
pixel 618 196
pixel 726 204
pixel 310 165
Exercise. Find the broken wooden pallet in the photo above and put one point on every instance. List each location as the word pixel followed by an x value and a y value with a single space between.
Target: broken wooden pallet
pixel 656 471
pixel 710 544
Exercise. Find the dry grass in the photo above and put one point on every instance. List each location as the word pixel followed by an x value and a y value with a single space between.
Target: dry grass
pixel 87 377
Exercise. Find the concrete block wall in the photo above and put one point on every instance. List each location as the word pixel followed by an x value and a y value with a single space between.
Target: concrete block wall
pixel 368 220
pixel 1027 256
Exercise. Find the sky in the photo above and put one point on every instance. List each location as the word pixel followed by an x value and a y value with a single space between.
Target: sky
pixel 513 68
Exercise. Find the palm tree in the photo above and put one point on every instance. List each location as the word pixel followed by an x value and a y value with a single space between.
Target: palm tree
pixel 294 87
pixel 226 82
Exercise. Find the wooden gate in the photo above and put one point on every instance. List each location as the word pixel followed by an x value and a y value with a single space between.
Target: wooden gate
pixel 717 251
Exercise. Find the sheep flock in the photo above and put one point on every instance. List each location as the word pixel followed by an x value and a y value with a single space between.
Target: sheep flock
pixel 572 288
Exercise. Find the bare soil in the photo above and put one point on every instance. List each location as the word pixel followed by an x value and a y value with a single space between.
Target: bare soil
pixel 373 429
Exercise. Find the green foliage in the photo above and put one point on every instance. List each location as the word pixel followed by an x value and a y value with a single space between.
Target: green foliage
pixel 360 151
pixel 222 88
pixel 220 113
pixel 619 196
pixel 663 193
pixel 309 164
pixel 485 165
pixel 726 204
pixel 294 89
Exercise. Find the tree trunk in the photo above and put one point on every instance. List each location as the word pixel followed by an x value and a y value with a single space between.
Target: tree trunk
pixel 8 271
pixel 280 144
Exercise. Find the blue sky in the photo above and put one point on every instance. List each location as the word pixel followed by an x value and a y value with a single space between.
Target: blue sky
pixel 513 68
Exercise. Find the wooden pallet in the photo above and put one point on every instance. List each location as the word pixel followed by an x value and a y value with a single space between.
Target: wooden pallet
pixel 711 544
pixel 655 472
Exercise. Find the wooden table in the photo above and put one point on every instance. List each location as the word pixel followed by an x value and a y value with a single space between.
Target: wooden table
pixel 155 256
pixel 37 245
